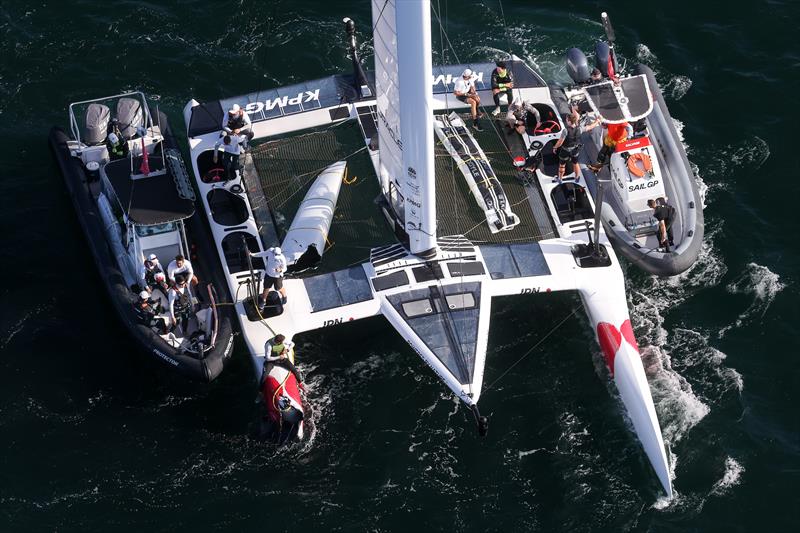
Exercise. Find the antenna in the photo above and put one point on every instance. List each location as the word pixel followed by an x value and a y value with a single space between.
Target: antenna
pixel 610 35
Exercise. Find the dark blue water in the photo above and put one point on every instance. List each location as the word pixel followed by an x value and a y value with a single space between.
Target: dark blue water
pixel 92 438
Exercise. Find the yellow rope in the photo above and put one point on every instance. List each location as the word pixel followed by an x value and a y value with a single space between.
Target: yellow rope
pixel 344 178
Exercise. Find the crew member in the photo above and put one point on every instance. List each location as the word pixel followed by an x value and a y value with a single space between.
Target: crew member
pixel 522 110
pixel 502 82
pixel 149 312
pixel 237 121
pixel 615 133
pixel 569 145
pixel 149 277
pixel 465 91
pixel 232 148
pixel 117 148
pixel 180 304
pixel 596 75
pixel 275 268
pixel 276 351
pixel 180 265
pixel 665 214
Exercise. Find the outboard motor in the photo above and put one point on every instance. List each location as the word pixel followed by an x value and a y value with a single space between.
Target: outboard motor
pixel 577 66
pixel 604 59
pixel 97 118
pixel 130 116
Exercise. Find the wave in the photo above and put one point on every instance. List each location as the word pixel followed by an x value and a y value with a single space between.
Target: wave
pixel 762 285
pixel 731 477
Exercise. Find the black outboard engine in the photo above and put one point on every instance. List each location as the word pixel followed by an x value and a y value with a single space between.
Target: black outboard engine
pixel 577 66
pixel 605 60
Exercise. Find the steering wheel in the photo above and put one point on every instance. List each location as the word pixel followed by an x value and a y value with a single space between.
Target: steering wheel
pixel 548 126
pixel 214 175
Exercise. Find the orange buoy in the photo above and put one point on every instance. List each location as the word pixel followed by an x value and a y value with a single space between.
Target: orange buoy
pixel 633 164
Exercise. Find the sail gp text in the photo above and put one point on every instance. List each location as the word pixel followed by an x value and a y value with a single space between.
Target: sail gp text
pixel 642 186
pixel 268 105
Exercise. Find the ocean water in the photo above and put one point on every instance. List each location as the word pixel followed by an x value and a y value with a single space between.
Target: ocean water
pixel 93 438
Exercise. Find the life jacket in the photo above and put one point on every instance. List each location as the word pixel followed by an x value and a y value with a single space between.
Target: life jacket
pixel 117 150
pixel 572 142
pixel 146 314
pixel 150 274
pixel 236 122
pixel 617 133
pixel 498 79
pixel 183 303
pixel 278 349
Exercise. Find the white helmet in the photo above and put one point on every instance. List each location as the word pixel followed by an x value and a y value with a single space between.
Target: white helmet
pixel 144 295
pixel 234 109
pixel 276 251
pixel 467 73
pixel 152 257
pixel 112 138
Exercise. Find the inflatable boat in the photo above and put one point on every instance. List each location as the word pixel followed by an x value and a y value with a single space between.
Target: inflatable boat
pixel 134 201
pixel 643 175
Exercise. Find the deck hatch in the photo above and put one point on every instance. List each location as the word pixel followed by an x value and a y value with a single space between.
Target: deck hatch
pixel 506 261
pixel 337 289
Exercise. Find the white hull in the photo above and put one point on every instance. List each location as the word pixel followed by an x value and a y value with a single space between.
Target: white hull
pixel 390 284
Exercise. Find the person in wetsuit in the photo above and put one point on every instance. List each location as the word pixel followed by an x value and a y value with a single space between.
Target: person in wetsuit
pixel 502 82
pixel 524 111
pixel 149 277
pixel 117 148
pixel 237 122
pixel 665 214
pixel 569 145
pixel 180 304
pixel 276 352
pixel 149 312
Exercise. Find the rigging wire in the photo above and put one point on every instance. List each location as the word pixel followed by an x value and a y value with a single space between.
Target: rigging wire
pixel 532 348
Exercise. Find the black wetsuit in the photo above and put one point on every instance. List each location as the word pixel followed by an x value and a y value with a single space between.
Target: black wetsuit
pixel 148 315
pixel 571 146
pixel 497 80
pixel 665 213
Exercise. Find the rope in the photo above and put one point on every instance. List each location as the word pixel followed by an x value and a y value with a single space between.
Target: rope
pixel 530 351
pixel 313 173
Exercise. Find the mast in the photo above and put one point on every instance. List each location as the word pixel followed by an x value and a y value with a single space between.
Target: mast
pixel 405 107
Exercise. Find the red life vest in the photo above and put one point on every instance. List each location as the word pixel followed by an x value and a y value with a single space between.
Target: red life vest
pixel 618 132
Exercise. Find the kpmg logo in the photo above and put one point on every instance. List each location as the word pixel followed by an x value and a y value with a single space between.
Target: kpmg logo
pixel 268 105
pixel 447 79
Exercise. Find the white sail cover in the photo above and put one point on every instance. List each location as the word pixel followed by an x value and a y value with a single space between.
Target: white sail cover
pixel 405 115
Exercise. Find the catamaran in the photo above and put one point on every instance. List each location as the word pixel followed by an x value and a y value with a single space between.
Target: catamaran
pixel 450 222
pixel 134 200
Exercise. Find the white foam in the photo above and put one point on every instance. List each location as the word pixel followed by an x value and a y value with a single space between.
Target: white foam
pixel 678 86
pixel 644 54
pixel 762 285
pixel 681 404
pixel 731 477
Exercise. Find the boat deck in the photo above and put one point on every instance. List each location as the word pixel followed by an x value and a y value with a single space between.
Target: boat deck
pixel 283 169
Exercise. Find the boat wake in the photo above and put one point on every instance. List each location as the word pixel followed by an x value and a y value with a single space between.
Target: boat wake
pixel 759 283
pixel 673 86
